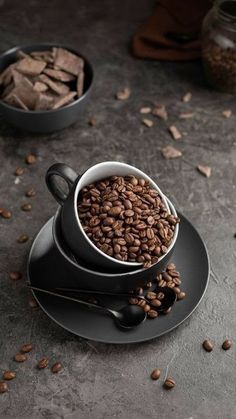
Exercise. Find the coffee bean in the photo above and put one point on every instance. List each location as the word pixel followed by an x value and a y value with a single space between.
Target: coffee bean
pixel 133 300
pixel 156 303
pixel 9 375
pixel 227 344
pixel 171 267
pixel 169 383
pixel 56 367
pixel 151 295
pixel 30 192
pixel 181 295
pixel 19 171
pixel 148 285
pixel 23 238
pixel 207 345
pixel 146 308
pixel 155 375
pixel 20 357
pixel 176 290
pixel 15 275
pixel 130 210
pixel 5 214
pixel 152 314
pixel 43 363
pixel 26 207
pixel 27 347
pixel 160 296
pixel 3 387
pixel 142 303
pixel 30 159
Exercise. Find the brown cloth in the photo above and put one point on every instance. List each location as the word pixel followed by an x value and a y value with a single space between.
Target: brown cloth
pixel 163 35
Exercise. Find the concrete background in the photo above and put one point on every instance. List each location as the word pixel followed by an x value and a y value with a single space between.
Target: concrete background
pixel 105 381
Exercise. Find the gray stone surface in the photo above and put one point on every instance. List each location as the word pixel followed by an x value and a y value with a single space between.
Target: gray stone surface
pixel 107 381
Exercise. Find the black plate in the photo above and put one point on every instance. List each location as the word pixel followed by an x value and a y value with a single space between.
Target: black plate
pixel 191 259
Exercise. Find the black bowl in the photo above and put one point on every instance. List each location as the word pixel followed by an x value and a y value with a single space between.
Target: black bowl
pixel 50 120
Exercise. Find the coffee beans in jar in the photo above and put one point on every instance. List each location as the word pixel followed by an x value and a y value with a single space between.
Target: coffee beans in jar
pixel 126 219
pixel 219 46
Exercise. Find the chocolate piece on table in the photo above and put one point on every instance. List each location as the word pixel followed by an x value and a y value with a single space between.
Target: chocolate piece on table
pixel 68 61
pixel 59 74
pixel 80 83
pixel 31 67
pixel 56 86
pixel 64 100
pixel 40 86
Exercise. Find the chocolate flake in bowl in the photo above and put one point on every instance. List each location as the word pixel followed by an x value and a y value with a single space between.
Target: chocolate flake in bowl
pixel 43 80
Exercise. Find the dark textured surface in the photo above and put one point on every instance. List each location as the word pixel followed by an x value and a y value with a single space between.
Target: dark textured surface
pixel 103 381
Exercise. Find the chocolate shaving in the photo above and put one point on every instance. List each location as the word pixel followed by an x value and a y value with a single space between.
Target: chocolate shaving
pixel 62 101
pixel 59 74
pixel 204 170
pixel 123 94
pixel 161 112
pixel 175 132
pixel 147 122
pixel 31 67
pixel 227 113
pixel 80 83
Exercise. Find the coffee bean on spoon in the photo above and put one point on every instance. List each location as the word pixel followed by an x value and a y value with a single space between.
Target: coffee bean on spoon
pixel 226 345
pixel 207 345
pixel 9 375
pixel 181 295
pixel 152 314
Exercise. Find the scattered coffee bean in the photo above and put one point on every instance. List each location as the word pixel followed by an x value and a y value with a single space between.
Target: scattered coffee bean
pixel 170 152
pixel 15 275
pixel 43 363
pixel 27 347
pixel 9 375
pixel 30 193
pixel 152 314
pixel 20 357
pixel 26 207
pixel 155 375
pixel 227 344
pixel 30 159
pixel 169 383
pixel 23 238
pixel 19 171
pixel 5 213
pixel 56 367
pixel 207 345
pixel 3 387
pixel 181 295
pixel 126 219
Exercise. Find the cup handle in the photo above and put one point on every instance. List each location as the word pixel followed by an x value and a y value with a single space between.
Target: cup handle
pixel 66 173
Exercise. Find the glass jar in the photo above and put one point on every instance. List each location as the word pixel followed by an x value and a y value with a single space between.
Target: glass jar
pixel 219 46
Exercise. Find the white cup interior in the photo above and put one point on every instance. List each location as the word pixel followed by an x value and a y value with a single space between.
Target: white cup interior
pixel 101 171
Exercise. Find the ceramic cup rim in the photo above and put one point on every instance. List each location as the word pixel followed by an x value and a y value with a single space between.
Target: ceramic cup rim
pixel 103 165
pixel 120 274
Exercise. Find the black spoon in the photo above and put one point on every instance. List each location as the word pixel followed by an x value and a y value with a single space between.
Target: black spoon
pixel 127 317
pixel 167 302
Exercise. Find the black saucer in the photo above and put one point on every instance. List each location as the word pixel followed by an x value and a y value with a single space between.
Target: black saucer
pixel 191 259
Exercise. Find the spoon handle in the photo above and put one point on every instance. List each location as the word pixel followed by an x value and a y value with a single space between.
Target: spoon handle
pixel 65 297
pixel 79 291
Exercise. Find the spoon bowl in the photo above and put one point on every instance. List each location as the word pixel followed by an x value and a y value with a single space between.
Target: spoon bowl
pixel 129 316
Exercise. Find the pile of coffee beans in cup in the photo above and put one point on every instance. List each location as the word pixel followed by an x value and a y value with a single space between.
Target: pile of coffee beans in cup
pixel 126 219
